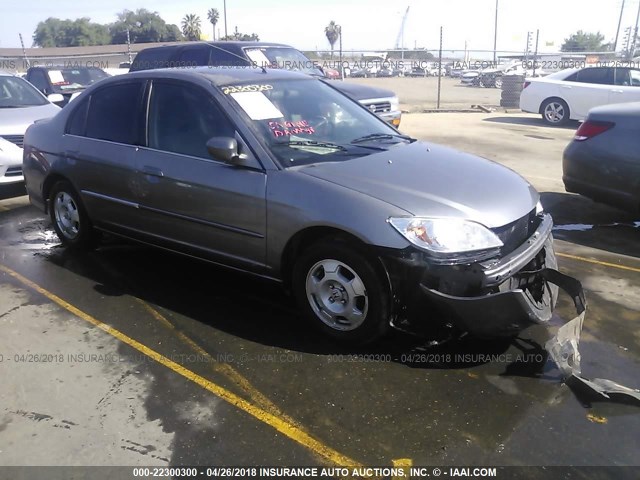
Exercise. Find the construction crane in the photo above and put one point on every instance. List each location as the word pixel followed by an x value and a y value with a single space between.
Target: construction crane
pixel 400 38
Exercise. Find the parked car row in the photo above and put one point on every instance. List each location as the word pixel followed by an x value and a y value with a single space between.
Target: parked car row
pixel 603 160
pixel 382 102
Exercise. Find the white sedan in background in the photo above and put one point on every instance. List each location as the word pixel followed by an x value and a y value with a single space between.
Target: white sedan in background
pixel 570 94
pixel 21 104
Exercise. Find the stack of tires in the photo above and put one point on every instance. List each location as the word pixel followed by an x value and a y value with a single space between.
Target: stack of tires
pixel 511 90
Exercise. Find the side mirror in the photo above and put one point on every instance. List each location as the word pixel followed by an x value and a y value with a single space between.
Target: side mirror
pixel 225 149
pixel 55 98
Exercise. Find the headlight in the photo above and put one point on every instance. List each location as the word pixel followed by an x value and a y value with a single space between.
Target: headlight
pixel 539 208
pixel 395 104
pixel 449 240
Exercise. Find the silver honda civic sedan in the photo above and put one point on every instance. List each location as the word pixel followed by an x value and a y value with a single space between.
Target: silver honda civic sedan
pixel 280 175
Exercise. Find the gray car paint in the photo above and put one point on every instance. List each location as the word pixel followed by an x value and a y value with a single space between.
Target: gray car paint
pixel 358 196
pixel 606 167
pixel 249 217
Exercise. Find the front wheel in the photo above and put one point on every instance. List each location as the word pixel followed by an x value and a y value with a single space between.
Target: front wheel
pixel 341 292
pixel 555 112
pixel 69 218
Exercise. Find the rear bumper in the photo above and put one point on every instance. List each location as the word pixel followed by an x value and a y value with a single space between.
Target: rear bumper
pixel 489 299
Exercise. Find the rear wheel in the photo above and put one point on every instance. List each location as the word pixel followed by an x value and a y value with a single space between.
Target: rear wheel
pixel 341 292
pixel 555 112
pixel 69 218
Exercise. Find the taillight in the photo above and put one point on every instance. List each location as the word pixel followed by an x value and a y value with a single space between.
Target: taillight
pixel 526 84
pixel 591 128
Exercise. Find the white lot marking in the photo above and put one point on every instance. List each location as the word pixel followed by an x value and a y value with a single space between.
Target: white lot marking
pixel 71 409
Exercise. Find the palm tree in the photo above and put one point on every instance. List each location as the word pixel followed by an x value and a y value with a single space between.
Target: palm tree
pixel 213 15
pixel 191 26
pixel 332 31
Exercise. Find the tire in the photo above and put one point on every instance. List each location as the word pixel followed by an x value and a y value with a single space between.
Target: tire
pixel 341 293
pixel 69 217
pixel 497 82
pixel 555 112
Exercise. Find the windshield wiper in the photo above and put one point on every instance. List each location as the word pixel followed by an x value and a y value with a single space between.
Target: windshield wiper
pixel 383 136
pixel 312 143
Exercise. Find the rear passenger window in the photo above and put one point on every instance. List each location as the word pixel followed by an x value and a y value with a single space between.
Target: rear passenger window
pixel 600 76
pixel 183 118
pixel 78 119
pixel 113 113
pixel 194 56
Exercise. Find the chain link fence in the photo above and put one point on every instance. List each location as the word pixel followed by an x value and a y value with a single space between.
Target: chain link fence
pixel 424 80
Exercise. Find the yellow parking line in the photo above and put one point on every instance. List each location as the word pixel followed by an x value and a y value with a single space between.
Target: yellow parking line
pixel 598 262
pixel 288 429
pixel 405 464
pixel 257 397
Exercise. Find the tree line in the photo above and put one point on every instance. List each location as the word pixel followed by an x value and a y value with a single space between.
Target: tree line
pixel 139 26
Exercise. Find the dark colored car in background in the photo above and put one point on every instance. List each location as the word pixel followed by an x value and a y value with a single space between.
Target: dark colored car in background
pixel 603 160
pixel 64 80
pixel 383 103
pixel 280 175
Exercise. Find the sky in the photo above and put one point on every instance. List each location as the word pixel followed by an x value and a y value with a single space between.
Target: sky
pixel 366 24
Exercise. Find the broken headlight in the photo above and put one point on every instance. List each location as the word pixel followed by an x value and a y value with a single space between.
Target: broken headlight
pixel 449 240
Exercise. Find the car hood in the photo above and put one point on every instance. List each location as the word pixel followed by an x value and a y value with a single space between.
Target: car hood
pixel 362 92
pixel 14 121
pixel 434 181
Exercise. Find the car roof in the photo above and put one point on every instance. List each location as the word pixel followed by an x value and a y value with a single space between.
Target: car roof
pixel 222 75
pixel 232 44
pixel 64 67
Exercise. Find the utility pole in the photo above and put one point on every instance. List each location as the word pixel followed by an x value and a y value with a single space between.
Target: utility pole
pixel 339 28
pixel 439 69
pixel 535 55
pixel 495 34
pixel 635 35
pixel 129 46
pixel 615 43
pixel 225 19
pixel 24 51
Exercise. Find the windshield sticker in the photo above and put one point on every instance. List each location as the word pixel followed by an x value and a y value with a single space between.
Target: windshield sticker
pixel 281 129
pixel 258 58
pixel 245 88
pixel 56 77
pixel 257 105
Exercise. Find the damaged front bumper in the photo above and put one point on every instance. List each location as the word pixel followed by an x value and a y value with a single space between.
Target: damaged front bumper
pixel 499 297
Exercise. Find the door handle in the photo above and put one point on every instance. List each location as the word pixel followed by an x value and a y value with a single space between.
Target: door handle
pixel 153 171
pixel 566 87
pixel 617 91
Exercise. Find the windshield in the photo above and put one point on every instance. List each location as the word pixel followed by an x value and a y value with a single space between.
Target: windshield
pixel 283 57
pixel 75 78
pixel 306 121
pixel 16 92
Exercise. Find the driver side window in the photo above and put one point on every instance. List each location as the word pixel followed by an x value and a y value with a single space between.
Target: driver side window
pixel 183 118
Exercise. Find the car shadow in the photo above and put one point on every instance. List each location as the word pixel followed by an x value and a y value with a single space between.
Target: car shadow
pixel 530 121
pixel 582 221
pixel 260 311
